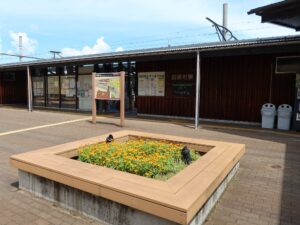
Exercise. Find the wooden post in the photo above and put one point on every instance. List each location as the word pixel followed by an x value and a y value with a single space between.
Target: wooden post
pixel 122 98
pixel 94 105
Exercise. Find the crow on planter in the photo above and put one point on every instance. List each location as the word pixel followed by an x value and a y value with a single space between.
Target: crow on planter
pixel 185 152
pixel 109 138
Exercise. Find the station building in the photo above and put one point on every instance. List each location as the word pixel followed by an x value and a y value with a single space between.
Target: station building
pixel 235 79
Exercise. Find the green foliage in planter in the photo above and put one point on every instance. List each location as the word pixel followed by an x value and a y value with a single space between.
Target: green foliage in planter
pixel 149 158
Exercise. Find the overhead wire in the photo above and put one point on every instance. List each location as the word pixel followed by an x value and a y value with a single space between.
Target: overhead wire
pixel 171 38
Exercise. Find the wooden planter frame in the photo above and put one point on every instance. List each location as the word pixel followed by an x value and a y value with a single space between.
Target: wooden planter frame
pixel 177 199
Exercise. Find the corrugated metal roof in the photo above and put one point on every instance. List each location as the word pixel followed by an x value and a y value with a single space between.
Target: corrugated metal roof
pixel 259 42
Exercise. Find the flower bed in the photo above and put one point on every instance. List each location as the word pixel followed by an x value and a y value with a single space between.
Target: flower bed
pixel 148 158
pixel 186 198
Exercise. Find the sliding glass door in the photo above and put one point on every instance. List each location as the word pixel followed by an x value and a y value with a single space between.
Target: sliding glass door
pixel 68 87
pixel 53 88
pixel 38 86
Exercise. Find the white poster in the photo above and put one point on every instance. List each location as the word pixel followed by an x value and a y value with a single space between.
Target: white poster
pixel 298 117
pixel 38 86
pixel 141 85
pixel 72 83
pixel 53 88
pixel 151 84
pixel 160 85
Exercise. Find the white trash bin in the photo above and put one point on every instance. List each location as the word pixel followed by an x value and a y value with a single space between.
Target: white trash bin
pixel 284 113
pixel 268 113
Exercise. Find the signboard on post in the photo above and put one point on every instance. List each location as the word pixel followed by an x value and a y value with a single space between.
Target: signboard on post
pixel 109 86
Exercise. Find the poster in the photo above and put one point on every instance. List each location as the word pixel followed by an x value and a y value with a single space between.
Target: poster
pixel 160 84
pixel 68 86
pixel 53 87
pixel 72 83
pixel 38 86
pixel 108 87
pixel 151 84
pixel 141 85
pixel 298 117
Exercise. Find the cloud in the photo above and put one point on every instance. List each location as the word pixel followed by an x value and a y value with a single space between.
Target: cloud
pixel 119 49
pixel 29 44
pixel 133 23
pixel 100 47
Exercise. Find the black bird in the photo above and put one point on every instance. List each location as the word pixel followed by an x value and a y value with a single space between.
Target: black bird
pixel 109 138
pixel 185 152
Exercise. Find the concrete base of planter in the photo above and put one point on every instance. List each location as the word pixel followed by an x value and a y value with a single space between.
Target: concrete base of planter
pixel 107 211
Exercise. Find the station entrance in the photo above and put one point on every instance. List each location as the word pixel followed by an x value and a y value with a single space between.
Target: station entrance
pixel 69 87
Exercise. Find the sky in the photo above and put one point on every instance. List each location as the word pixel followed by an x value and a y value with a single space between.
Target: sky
pixel 97 26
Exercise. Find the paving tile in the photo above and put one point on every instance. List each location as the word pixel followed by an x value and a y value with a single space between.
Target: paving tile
pixel 265 191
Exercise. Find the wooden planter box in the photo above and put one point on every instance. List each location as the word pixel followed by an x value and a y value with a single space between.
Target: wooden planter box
pixel 177 200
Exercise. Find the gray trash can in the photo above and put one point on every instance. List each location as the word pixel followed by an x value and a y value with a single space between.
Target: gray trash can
pixel 268 113
pixel 284 113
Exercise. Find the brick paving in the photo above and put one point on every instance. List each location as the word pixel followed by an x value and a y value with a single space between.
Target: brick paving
pixel 265 191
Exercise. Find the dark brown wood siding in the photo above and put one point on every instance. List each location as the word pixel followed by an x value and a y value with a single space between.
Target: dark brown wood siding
pixel 13 91
pixel 235 88
pixel 169 104
pixel 283 86
pixel 232 87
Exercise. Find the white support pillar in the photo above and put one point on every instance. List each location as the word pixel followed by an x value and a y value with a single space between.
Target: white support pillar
pixel 94 104
pixel 198 80
pixel 29 90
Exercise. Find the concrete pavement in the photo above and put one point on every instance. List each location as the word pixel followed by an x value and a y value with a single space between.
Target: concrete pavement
pixel 266 189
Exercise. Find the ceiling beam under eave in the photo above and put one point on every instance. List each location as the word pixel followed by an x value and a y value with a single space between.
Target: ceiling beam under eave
pixel 284 24
pixel 284 13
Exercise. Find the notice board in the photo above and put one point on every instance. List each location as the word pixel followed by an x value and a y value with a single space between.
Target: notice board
pixel 151 84
pixel 107 87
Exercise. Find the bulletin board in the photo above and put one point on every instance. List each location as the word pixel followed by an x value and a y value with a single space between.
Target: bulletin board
pixel 151 84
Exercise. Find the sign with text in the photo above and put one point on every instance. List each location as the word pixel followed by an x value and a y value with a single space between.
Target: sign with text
pixel 107 87
pixel 182 89
pixel 151 84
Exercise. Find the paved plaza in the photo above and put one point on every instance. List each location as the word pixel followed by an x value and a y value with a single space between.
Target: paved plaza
pixel 266 189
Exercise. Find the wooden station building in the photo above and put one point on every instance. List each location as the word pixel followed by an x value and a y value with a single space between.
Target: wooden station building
pixel 234 80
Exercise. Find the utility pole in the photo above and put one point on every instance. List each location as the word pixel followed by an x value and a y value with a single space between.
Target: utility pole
pixel 20 48
pixel 20 55
pixel 225 20
pixel 224 34
pixel 55 53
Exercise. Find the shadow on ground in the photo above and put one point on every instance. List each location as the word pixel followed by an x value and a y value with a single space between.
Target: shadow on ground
pixel 289 185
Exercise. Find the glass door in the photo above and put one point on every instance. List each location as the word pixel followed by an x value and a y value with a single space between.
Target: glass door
pixel 52 88
pixel 38 87
pixel 68 88
pixel 84 87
